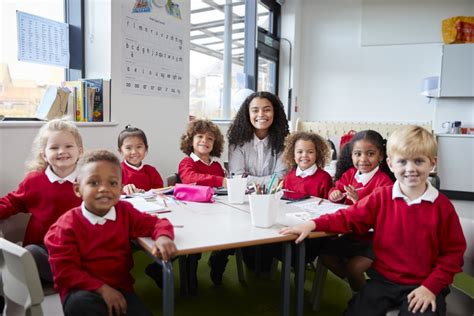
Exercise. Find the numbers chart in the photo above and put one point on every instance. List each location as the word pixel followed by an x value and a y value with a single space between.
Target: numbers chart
pixel 153 54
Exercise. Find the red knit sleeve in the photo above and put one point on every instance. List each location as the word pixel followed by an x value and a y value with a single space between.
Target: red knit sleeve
pixel 16 201
pixel 146 225
pixel 189 173
pixel 326 185
pixel 65 259
pixel 357 218
pixel 155 177
pixel 452 246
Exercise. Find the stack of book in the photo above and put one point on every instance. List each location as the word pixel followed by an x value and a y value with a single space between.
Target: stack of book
pixel 89 100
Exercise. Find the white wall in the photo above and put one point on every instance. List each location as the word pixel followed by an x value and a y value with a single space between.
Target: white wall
pixel 162 119
pixel 340 80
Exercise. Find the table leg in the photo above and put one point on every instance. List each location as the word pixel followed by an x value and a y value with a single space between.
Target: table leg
pixel 285 279
pixel 299 275
pixel 183 276
pixel 168 289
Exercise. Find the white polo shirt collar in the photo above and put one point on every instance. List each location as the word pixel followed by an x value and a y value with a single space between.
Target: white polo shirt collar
pixel 430 194
pixel 307 172
pixel 364 178
pixel 52 177
pixel 94 219
pixel 133 167
pixel 196 158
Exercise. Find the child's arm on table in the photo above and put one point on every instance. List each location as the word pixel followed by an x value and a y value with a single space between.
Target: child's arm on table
pixel 164 246
pixel 302 230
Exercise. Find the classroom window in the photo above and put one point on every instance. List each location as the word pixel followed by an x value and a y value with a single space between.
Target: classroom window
pixel 22 84
pixel 214 81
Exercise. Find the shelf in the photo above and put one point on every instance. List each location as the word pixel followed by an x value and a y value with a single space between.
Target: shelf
pixel 19 124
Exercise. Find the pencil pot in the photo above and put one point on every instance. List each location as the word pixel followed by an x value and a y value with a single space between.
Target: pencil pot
pixel 264 209
pixel 236 190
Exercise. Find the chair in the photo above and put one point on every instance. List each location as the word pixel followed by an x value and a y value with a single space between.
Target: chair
pixel 172 179
pixel 21 284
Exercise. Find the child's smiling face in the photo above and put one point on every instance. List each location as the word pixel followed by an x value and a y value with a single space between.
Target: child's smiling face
pixel 133 150
pixel 305 153
pixel 203 143
pixel 61 152
pixel 365 156
pixel 99 185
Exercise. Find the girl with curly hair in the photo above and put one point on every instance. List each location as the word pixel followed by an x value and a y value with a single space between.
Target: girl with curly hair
pixel 361 168
pixel 201 141
pixel 256 138
pixel 306 155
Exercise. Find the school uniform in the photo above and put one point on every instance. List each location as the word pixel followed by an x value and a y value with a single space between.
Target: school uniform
pixel 193 170
pixel 417 242
pixel 46 197
pixel 352 245
pixel 312 181
pixel 88 251
pixel 144 177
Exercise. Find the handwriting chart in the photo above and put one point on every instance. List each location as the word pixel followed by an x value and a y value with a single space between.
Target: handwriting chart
pixel 152 53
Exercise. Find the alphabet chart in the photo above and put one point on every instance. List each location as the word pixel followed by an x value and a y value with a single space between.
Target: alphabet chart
pixel 152 53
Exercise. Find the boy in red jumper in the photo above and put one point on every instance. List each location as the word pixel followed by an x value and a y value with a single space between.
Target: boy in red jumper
pixel 201 141
pixel 89 246
pixel 418 240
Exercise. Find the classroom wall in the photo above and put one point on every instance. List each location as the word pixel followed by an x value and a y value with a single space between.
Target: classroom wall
pixel 339 79
pixel 162 119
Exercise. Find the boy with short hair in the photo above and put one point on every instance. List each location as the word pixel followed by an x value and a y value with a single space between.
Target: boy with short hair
pixel 89 246
pixel 418 240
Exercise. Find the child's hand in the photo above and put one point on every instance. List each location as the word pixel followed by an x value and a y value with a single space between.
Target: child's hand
pixel 165 246
pixel 129 189
pixel 116 303
pixel 302 230
pixel 351 193
pixel 420 299
pixel 336 195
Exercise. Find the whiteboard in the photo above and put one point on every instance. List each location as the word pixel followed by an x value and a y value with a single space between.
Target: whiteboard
pixel 42 40
pixel 398 22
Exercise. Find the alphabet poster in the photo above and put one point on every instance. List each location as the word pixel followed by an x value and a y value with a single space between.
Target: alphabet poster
pixel 152 48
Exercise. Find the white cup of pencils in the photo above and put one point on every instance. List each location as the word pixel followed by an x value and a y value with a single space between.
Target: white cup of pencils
pixel 236 187
pixel 264 204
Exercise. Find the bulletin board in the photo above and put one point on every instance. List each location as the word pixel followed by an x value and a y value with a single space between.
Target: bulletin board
pixel 153 57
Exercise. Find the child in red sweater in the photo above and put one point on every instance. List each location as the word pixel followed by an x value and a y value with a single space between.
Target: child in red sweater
pixel 418 241
pixel 89 246
pixel 201 141
pixel 46 192
pixel 136 176
pixel 306 155
pixel 360 169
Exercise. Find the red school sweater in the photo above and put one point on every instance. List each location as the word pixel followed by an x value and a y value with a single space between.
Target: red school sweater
pixel 45 201
pixel 85 256
pixel 146 178
pixel 198 172
pixel 317 184
pixel 379 179
pixel 419 244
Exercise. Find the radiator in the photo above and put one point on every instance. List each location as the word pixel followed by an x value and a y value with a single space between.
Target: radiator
pixel 335 129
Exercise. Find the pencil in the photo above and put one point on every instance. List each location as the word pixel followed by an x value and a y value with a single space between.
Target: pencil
pixel 320 201
pixel 164 202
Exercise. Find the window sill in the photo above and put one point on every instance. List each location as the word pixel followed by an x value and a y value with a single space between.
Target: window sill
pixel 19 124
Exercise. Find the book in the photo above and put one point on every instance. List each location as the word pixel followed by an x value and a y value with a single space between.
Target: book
pixel 78 87
pixel 53 104
pixel 95 104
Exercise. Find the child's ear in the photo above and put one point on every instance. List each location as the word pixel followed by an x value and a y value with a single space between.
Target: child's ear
pixel 434 161
pixel 75 187
pixel 389 163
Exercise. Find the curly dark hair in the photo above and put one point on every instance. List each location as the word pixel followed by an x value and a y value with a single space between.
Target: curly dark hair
pixel 130 131
pixel 345 158
pixel 323 150
pixel 242 131
pixel 202 127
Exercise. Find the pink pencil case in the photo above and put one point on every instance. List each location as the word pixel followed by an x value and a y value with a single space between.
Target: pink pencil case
pixel 193 192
